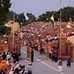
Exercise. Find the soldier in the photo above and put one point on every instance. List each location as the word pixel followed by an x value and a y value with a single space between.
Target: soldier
pixel 32 55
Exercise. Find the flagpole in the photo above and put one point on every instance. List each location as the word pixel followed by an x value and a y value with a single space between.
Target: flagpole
pixel 13 28
pixel 60 31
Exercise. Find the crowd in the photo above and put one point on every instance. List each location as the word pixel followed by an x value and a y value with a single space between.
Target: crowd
pixel 39 33
pixel 38 36
pixel 9 64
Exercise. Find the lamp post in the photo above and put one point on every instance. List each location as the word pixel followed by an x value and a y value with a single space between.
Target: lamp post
pixel 32 39
pixel 60 32
pixel 47 19
pixel 39 37
pixel 70 20
pixel 21 25
pixel 13 28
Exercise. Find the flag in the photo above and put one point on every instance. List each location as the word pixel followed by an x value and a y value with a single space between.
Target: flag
pixel 52 19
pixel 26 17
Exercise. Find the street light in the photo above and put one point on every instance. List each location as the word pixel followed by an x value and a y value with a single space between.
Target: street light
pixel 47 19
pixel 70 20
pixel 39 37
pixel 60 31
pixel 13 26
pixel 13 36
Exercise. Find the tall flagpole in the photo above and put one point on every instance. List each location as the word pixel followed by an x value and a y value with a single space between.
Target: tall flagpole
pixel 60 30
pixel 13 26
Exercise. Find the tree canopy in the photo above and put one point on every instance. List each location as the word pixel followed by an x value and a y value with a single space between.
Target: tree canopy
pixel 4 9
pixel 21 18
pixel 66 12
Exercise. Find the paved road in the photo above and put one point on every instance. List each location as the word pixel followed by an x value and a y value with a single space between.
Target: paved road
pixel 43 66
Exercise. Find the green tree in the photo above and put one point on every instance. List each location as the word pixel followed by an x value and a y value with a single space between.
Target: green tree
pixel 4 30
pixel 66 12
pixel 31 17
pixel 21 19
pixel 4 9
pixel 10 16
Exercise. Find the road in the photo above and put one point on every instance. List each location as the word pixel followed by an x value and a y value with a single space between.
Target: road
pixel 43 66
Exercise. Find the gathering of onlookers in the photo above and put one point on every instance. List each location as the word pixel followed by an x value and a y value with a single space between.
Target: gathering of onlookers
pixel 8 61
pixel 9 64
pixel 37 36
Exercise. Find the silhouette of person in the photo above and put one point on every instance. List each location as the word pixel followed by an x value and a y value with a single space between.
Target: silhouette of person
pixel 32 55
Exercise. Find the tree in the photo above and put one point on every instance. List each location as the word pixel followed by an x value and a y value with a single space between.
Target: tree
pixel 10 16
pixel 4 9
pixel 66 12
pixel 31 17
pixel 4 30
pixel 21 19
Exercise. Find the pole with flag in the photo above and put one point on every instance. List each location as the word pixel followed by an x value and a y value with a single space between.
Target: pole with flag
pixel 52 20
pixel 26 17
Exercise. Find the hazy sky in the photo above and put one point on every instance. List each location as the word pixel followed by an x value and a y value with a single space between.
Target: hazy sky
pixel 37 7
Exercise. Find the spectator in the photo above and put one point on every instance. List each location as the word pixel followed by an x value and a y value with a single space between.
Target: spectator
pixel 22 69
pixel 30 68
pixel 16 71
pixel 11 71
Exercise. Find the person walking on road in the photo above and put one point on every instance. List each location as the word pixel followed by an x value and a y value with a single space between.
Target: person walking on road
pixel 60 64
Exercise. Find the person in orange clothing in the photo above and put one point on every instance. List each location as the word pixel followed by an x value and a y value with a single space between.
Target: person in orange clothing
pixel 2 65
pixel 47 48
pixel 28 52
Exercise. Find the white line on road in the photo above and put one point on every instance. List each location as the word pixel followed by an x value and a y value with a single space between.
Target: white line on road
pixel 49 66
pixel 37 59
pixel 23 51
pixel 34 57
pixel 45 63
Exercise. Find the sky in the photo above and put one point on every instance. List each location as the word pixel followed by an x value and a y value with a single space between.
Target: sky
pixel 38 7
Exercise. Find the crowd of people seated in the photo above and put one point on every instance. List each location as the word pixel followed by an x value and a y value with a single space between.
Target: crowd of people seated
pixel 9 64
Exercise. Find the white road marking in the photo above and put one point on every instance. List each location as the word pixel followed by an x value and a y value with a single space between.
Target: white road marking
pixel 49 66
pixel 23 51
pixel 62 73
pixel 45 63
pixel 37 59
pixel 34 57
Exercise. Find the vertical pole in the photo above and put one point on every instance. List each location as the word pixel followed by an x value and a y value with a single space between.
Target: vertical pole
pixel 60 29
pixel 13 26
